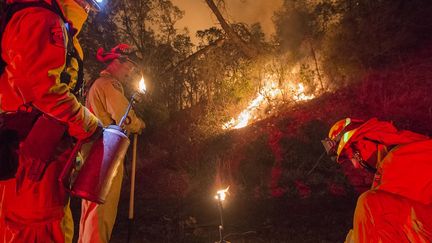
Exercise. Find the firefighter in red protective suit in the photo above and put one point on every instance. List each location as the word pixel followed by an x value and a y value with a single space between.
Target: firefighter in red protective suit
pixel 107 101
pixel 40 117
pixel 398 207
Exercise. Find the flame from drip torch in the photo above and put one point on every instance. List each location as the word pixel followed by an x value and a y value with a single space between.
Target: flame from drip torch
pixel 221 194
pixel 269 92
pixel 142 86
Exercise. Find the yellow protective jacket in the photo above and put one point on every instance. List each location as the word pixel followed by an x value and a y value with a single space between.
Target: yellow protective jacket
pixel 107 101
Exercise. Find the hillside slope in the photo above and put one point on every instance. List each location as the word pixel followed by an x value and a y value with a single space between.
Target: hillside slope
pixel 282 188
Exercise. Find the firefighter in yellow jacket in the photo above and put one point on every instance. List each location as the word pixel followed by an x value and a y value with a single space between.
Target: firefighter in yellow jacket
pixel 41 115
pixel 107 101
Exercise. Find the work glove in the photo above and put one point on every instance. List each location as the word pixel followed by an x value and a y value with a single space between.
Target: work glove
pixel 142 125
pixel 79 152
pixel 87 143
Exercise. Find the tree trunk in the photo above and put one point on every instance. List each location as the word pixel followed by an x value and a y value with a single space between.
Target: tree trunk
pixel 192 57
pixel 246 49
pixel 316 66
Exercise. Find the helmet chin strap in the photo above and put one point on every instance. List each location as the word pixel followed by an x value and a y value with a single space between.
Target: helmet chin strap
pixel 357 156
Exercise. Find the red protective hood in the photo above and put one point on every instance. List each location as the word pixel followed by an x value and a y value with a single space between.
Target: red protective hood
pixel 407 169
pixel 382 132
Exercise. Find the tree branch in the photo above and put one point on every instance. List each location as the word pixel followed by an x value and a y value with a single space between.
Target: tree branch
pixel 245 48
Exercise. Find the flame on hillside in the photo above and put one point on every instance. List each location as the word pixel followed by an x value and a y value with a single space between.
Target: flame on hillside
pixel 269 94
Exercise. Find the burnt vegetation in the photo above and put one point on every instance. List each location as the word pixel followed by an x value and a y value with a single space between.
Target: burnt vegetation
pixel 369 58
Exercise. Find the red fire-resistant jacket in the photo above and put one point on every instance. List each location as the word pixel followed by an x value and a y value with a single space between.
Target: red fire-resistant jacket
pixel 398 208
pixel 34 47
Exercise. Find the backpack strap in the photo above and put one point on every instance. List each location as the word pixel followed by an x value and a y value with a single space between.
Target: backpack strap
pixel 13 8
pixel 71 53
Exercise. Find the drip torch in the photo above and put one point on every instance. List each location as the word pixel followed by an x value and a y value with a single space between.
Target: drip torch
pixel 100 165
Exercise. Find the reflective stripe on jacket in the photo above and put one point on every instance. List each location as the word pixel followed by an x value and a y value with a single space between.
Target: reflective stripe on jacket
pixel 34 48
pixel 107 101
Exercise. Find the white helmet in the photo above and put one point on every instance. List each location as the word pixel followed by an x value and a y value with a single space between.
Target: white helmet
pixel 90 4
pixel 95 4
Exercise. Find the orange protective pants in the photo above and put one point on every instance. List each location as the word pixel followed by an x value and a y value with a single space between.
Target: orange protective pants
pixel 385 217
pixel 39 212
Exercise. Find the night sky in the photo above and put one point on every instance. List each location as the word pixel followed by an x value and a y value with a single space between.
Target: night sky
pixel 198 15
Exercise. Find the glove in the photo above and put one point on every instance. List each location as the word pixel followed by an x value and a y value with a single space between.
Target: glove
pixel 95 135
pixel 87 143
pixel 142 126
pixel 81 149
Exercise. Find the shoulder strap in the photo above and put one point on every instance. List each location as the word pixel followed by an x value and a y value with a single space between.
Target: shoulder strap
pixel 11 9
pixel 71 53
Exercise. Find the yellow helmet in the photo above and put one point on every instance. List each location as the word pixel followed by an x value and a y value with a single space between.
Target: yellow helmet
pixel 339 135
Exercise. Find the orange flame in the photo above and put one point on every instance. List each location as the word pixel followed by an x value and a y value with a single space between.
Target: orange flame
pixel 299 93
pixel 142 86
pixel 221 194
pixel 266 95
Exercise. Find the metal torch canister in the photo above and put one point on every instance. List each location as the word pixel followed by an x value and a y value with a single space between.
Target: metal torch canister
pixel 95 177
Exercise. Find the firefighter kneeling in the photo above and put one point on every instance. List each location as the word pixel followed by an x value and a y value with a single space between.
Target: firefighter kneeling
pixel 398 207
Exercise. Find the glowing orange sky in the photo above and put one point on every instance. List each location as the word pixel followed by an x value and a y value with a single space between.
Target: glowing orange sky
pixel 198 16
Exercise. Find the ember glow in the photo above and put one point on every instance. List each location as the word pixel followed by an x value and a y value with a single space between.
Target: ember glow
pixel 270 93
pixel 142 86
pixel 221 194
pixel 299 93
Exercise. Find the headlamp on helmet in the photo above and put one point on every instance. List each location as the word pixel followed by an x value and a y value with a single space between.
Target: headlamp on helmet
pixel 339 135
pixel 96 4
pixel 89 5
pixel 329 146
